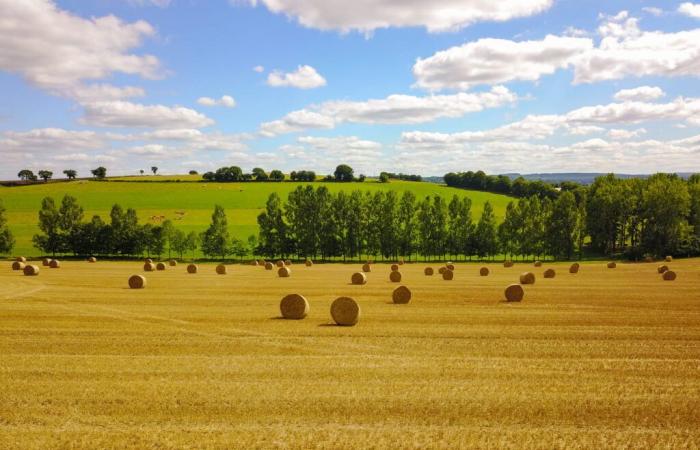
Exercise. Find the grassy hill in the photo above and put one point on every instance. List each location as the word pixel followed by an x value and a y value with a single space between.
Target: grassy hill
pixel 163 196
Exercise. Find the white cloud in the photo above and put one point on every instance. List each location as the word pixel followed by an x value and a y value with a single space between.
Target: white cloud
pixel 49 140
pixel 366 16
pixel 58 51
pixel 323 153
pixel 305 77
pixel 636 112
pixel 620 134
pixel 642 93
pixel 158 3
pixel 690 9
pixel 225 100
pixel 654 11
pixel 394 109
pixel 259 69
pixel 489 61
pixel 127 114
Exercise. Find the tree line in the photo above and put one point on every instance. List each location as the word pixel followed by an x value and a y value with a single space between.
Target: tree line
pixel 502 184
pixel 234 174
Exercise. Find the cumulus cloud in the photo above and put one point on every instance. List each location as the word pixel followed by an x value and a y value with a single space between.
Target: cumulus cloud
pixel 620 134
pixel 690 9
pixel 654 11
pixel 51 140
pixel 642 93
pixel 305 77
pixel 127 114
pixel 366 16
pixel 259 69
pixel 489 61
pixel 58 51
pixel 323 153
pixel 394 109
pixel 225 100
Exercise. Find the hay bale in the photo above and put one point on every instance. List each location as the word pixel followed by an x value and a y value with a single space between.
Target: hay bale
pixel 288 262
pixel 401 295
pixel 18 265
pixel 508 264
pixel 448 275
pixel 55 264
pixel 221 269
pixel 662 269
pixel 442 270
pixel 294 307
pixel 574 268
pixel 254 262
pixel 92 259
pixel 527 278
pixel 612 265
pixel 160 266
pixel 279 263
pixel 45 262
pixel 484 272
pixel 648 259
pixel 21 259
pixel 366 268
pixel 538 263
pixel 149 267
pixel 514 293
pixel 192 268
pixel 269 266
pixel 30 270
pixel 402 262
pixel 428 271
pixel 450 266
pixel 345 311
pixel 669 258
pixel 173 263
pixel 669 275
pixel 137 282
pixel 395 277
pixel 550 273
pixel 148 261
pixel 284 272
pixel 394 267
pixel 308 263
pixel 358 278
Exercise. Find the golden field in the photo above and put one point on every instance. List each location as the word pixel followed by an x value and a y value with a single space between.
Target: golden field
pixel 604 358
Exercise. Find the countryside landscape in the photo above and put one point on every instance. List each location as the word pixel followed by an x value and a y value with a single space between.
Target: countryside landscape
pixel 305 224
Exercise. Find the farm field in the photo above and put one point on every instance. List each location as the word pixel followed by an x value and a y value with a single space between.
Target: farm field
pixel 607 358
pixel 242 202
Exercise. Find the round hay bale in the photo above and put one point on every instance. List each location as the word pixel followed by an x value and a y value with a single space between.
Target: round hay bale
pixel 149 267
pixel 484 272
pixel 254 262
pixel 662 269
pixel 21 259
pixel 402 262
pixel 18 265
pixel 550 273
pixel 428 271
pixel 345 311
pixel 284 272
pixel 308 263
pixel 612 265
pixel 514 293
pixel 55 264
pixel 395 277
pixel 574 268
pixel 394 267
pixel 448 275
pixel 538 263
pixel 160 266
pixel 442 270
pixel 648 259
pixel 148 261
pixel 359 278
pixel 192 268
pixel 669 258
pixel 173 263
pixel 508 264
pixel 46 262
pixel 221 269
pixel 279 263
pixel 294 307
pixel 137 282
pixel 288 262
pixel 401 295
pixel 450 266
pixel 92 259
pixel 669 275
pixel 269 266
pixel 527 278
pixel 31 270
pixel 366 268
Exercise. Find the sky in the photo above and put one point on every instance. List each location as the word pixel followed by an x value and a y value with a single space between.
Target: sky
pixel 413 86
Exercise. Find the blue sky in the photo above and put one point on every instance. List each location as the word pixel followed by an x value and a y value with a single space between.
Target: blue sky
pixel 420 87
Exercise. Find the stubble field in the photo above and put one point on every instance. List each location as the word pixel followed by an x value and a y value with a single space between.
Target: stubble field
pixel 604 358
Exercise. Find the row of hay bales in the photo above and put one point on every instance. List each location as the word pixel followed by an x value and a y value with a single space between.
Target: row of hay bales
pixel 666 273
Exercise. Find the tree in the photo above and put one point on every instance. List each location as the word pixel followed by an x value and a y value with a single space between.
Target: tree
pixel 561 226
pixel 487 241
pixel 168 232
pixel 26 175
pixel 383 177
pixel 100 173
pixel 7 241
pixel 191 242
pixel 215 240
pixel 343 173
pixel 406 224
pixel 193 172
pixel 259 174
pixel 141 171
pixel 276 175
pixel 70 217
pixel 70 174
pixel 45 175
pixel 273 229
pixel 50 240
pixel 179 242
pixel 666 204
pixel 154 169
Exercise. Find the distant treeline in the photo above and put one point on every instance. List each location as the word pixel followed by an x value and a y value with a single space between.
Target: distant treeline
pixel 343 173
pixel 502 184
pixel 399 176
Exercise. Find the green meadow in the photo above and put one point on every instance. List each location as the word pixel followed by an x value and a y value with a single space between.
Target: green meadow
pixel 153 197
